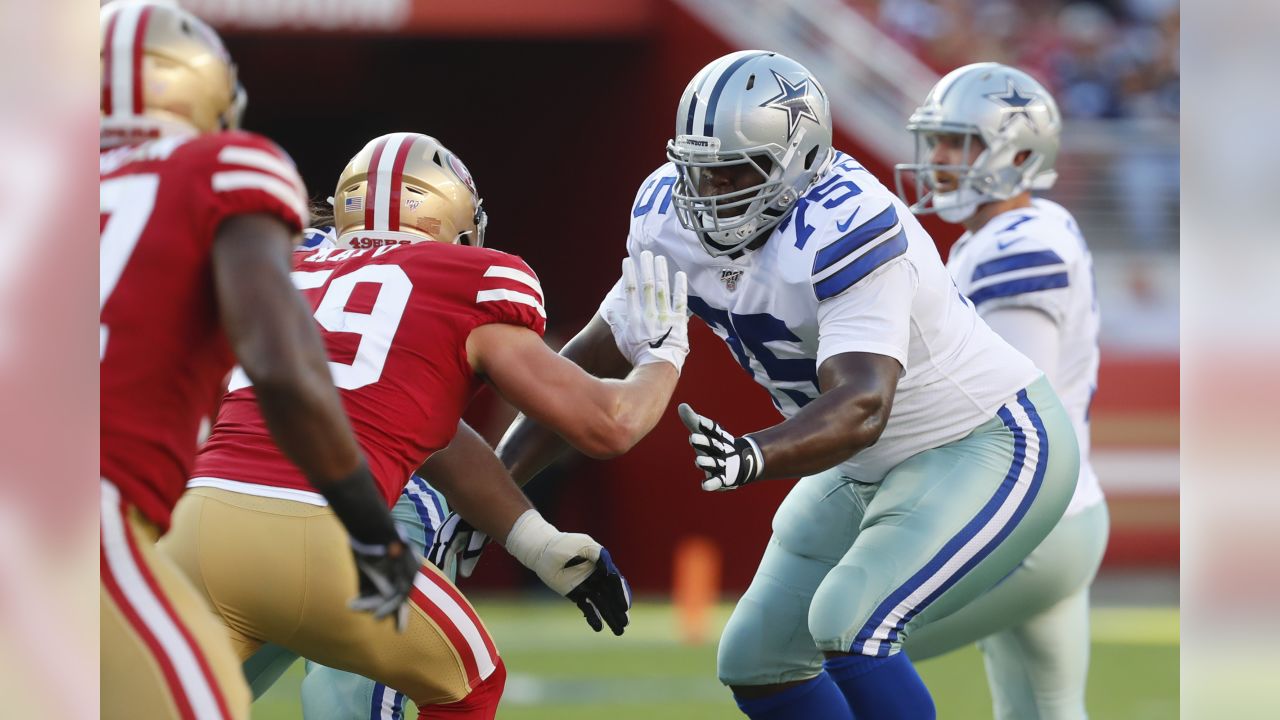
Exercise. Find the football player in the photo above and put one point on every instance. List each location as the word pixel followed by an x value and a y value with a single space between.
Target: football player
pixel 331 694
pixel 197 222
pixel 415 316
pixel 986 136
pixel 934 456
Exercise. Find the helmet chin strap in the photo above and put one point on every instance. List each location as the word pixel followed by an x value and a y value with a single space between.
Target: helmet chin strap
pixel 957 206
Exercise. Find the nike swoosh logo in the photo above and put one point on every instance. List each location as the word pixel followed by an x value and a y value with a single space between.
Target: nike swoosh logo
pixel 749 464
pixel 1002 245
pixel 655 344
pixel 842 226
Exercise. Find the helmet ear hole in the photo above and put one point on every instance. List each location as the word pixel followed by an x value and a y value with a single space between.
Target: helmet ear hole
pixel 751 82
pixel 809 158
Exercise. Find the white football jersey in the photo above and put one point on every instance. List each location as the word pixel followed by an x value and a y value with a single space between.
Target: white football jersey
pixel 1036 258
pixel 850 270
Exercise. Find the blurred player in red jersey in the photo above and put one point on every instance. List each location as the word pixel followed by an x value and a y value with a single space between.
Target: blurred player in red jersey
pixel 197 223
pixel 416 316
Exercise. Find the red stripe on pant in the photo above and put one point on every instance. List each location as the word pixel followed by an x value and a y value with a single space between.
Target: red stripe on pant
pixel 153 645
pixel 454 593
pixel 175 684
pixel 470 664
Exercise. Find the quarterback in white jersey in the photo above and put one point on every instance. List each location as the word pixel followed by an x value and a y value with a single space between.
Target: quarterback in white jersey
pixel 935 455
pixel 1035 258
pixel 986 136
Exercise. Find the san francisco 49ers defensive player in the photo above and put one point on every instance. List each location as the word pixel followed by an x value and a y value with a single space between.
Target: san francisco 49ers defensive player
pixel 415 317
pixel 197 224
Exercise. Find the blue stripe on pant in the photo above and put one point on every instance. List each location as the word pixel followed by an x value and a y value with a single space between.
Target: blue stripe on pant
pixel 989 511
pixel 387 704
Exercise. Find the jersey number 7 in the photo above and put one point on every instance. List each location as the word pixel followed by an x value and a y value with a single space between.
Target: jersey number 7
pixel 124 207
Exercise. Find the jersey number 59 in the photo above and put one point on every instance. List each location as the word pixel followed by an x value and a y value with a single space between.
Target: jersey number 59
pixel 376 328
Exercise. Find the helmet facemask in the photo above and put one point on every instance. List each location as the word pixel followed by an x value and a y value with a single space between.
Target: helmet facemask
pixel 993 175
pixel 761 121
pixel 1015 122
pixel 729 221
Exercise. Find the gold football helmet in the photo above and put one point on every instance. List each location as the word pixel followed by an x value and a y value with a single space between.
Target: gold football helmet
pixel 164 72
pixel 407 188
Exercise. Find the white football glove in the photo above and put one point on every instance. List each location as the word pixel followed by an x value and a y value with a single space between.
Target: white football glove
pixel 729 462
pixel 656 325
pixel 575 566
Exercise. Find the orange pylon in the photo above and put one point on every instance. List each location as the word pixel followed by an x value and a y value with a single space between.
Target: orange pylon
pixel 696 586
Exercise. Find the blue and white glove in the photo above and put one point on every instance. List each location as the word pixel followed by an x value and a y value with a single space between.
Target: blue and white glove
pixel 457 546
pixel 729 462
pixel 575 566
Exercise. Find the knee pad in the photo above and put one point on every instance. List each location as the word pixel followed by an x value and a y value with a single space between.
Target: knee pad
pixel 841 606
pixel 743 647
pixel 818 519
pixel 766 640
pixel 480 704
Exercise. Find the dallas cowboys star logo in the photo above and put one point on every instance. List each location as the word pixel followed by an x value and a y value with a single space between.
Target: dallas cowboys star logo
pixel 794 99
pixel 1015 105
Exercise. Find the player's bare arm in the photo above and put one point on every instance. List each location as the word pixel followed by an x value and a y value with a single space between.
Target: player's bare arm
pixel 601 418
pixel 276 342
pixel 476 483
pixel 479 489
pixel 849 415
pixel 528 447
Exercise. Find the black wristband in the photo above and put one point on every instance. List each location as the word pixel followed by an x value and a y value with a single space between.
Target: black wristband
pixel 357 503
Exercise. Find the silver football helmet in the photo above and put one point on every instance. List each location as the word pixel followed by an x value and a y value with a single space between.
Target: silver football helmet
pixel 753 108
pixel 1005 109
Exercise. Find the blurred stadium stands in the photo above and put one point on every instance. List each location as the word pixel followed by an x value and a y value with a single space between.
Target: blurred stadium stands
pixel 561 108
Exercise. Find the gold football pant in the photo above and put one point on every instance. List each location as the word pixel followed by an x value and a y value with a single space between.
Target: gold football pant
pixel 281 571
pixel 164 654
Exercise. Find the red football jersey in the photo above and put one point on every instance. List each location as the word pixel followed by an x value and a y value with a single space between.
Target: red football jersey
pixel 162 350
pixel 395 322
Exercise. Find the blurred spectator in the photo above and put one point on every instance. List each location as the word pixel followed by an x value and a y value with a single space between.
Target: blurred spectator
pixel 1102 59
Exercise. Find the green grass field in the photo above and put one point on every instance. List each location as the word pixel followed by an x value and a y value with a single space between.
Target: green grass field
pixel 560 670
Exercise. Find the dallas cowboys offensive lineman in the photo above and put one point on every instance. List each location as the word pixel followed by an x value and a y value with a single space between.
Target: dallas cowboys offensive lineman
pixel 986 135
pixel 936 456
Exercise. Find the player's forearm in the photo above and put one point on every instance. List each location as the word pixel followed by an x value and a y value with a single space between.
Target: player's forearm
pixel 639 401
pixel 278 346
pixel 476 484
pixel 529 447
pixel 828 431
